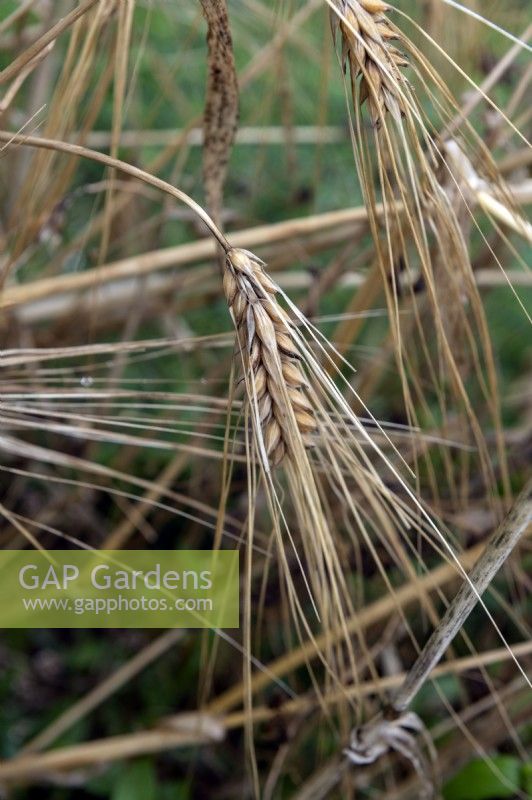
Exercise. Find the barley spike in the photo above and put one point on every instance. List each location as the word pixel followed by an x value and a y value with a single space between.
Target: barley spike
pixel 276 382
pixel 366 38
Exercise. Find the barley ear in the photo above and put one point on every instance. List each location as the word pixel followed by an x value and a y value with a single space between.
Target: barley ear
pixel 367 51
pixel 274 380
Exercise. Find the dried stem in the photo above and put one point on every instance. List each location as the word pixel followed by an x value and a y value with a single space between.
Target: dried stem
pixel 496 553
pixel 294 231
pixel 121 166
pixel 185 729
pixel 37 47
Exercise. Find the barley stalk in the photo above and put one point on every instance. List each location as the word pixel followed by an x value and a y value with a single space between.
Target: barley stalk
pixel 396 730
pixel 504 541
pixel 274 380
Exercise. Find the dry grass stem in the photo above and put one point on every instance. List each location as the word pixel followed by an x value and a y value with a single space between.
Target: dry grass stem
pixel 203 727
pixel 44 41
pixel 516 525
pixel 180 255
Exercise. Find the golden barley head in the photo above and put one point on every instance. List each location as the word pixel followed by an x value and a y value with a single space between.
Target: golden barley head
pixel 274 379
pixel 366 37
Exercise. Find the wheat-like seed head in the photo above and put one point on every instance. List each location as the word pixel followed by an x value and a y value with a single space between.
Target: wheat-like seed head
pixel 274 379
pixel 367 48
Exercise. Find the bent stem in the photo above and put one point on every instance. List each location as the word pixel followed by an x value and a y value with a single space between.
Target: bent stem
pixel 397 728
pixel 503 542
pixel 121 166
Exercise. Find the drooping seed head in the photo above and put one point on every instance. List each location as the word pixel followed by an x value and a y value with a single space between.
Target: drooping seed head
pixel 366 36
pixel 274 379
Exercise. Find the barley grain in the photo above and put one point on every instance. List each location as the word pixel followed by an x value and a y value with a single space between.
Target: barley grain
pixel 274 379
pixel 366 38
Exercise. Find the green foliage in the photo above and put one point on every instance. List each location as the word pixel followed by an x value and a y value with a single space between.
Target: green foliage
pixel 526 778
pixel 137 781
pixel 481 780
